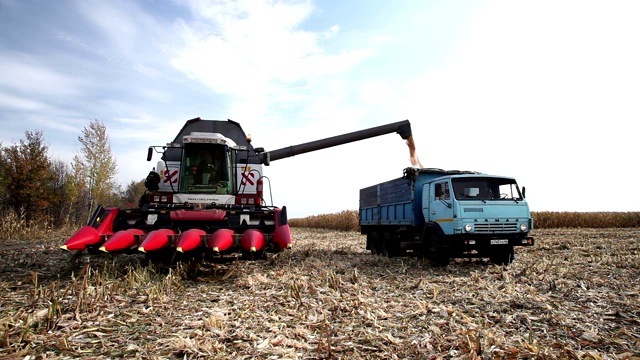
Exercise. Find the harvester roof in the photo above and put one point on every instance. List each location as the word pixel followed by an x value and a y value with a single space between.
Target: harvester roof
pixel 228 128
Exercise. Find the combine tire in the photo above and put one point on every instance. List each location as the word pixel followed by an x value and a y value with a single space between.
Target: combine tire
pixel 253 256
pixel 94 250
pixel 163 258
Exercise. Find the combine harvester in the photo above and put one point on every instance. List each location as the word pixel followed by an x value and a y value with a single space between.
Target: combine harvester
pixel 205 198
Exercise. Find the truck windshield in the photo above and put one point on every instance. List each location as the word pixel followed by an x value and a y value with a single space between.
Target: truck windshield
pixel 486 188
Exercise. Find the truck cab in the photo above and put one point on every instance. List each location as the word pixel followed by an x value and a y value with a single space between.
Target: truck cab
pixel 476 204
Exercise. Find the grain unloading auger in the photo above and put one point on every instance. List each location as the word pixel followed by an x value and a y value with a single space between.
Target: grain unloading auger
pixel 205 197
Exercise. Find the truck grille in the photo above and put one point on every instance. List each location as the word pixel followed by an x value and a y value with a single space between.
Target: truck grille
pixel 490 228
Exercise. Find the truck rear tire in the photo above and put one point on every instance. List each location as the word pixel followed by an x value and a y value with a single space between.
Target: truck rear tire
pixel 373 242
pixel 388 247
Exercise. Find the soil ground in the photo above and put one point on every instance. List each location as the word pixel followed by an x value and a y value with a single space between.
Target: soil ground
pixel 574 295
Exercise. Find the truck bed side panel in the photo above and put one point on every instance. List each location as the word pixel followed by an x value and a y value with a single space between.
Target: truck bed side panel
pixel 369 197
pixel 388 203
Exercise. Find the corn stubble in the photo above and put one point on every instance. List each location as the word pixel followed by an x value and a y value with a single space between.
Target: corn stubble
pixel 574 295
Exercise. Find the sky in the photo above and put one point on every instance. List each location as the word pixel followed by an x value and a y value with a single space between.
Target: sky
pixel 547 92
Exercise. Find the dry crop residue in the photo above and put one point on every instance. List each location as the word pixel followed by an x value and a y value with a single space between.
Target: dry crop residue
pixel 574 295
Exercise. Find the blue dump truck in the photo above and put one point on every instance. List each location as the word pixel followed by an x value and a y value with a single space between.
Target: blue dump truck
pixel 445 214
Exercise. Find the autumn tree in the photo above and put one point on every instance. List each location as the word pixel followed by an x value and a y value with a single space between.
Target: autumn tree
pixel 94 168
pixel 77 192
pixel 25 169
pixel 2 177
pixel 133 192
pixel 57 187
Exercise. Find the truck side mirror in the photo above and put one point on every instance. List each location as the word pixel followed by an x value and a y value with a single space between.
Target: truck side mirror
pixel 149 154
pixel 524 190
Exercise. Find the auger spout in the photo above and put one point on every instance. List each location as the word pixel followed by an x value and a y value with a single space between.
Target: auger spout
pixel 402 127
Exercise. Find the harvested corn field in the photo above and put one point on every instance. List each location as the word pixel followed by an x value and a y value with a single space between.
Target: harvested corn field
pixel 574 295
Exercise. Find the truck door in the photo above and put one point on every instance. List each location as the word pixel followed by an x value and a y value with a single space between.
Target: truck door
pixel 441 205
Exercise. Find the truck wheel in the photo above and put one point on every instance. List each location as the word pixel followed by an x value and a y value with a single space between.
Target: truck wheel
pixel 503 256
pixel 372 242
pixel 389 246
pixel 437 253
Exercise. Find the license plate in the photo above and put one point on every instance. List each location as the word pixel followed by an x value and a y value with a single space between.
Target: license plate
pixel 500 242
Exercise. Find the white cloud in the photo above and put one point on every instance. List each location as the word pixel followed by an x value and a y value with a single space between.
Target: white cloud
pixel 27 75
pixel 332 32
pixel 116 24
pixel 258 52
pixel 545 92
pixel 8 101
pixel 377 39
pixel 123 27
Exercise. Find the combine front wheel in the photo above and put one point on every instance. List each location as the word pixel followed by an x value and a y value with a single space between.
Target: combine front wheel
pixel 162 258
pixel 251 256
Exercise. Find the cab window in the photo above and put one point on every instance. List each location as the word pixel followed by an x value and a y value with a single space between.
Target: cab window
pixel 442 191
pixel 205 167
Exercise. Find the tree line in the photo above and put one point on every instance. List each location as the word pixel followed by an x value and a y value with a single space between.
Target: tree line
pixel 39 188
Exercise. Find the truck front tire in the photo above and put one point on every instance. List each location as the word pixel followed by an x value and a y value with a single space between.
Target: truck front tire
pixel 385 245
pixel 502 256
pixel 436 252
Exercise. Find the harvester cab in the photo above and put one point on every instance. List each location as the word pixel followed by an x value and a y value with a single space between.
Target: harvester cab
pixel 207 168
pixel 205 165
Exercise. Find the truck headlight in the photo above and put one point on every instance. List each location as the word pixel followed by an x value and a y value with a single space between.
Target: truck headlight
pixel 523 227
pixel 468 227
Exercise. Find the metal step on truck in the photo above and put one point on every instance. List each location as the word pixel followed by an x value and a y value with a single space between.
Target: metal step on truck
pixel 446 214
